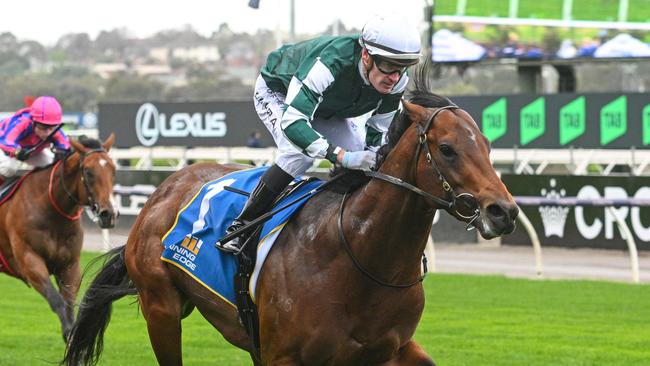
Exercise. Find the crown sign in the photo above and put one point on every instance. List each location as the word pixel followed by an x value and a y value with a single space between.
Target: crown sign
pixel 553 217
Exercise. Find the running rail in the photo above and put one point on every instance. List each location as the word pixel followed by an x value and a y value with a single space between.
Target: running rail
pixel 609 204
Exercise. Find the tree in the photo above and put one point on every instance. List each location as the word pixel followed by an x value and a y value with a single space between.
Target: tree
pixel 76 94
pixel 209 89
pixel 77 46
pixel 33 51
pixel 8 42
pixel 185 37
pixel 12 65
pixel 131 88
pixel 113 44
pixel 16 88
pixel 79 94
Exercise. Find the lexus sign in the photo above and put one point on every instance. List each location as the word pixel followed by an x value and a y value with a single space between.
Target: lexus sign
pixel 180 124
pixel 151 124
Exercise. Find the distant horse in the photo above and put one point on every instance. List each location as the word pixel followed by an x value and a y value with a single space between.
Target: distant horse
pixel 40 228
pixel 318 302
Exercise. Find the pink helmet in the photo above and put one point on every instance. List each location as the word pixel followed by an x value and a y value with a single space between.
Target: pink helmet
pixel 46 110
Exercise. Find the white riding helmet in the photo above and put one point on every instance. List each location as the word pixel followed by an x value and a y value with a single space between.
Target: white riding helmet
pixel 391 38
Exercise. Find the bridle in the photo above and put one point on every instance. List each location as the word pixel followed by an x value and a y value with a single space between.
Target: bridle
pixel 455 199
pixel 90 198
pixel 452 203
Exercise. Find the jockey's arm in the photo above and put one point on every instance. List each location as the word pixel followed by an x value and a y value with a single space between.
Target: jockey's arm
pixel 303 97
pixel 9 142
pixel 377 125
pixel 60 140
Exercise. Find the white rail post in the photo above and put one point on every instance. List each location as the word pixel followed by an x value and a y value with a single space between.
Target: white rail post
pixel 106 240
pixel 534 238
pixel 631 245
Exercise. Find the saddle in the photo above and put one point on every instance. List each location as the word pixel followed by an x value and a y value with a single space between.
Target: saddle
pixel 9 186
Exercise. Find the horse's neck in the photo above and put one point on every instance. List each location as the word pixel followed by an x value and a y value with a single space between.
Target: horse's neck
pixel 65 182
pixel 391 224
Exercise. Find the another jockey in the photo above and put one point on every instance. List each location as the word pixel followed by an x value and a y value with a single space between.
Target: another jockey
pixel 21 133
pixel 307 94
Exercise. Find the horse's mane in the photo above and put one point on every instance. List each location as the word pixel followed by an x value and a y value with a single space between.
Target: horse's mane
pixel 418 93
pixel 90 142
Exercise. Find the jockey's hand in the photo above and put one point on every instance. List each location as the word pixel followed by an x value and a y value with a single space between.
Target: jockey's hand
pixel 359 160
pixel 61 154
pixel 21 154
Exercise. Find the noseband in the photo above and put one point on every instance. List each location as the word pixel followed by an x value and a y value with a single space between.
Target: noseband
pixel 455 198
pixel 91 201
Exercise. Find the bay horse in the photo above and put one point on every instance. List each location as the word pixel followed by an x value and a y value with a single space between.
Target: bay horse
pixel 40 227
pixel 342 285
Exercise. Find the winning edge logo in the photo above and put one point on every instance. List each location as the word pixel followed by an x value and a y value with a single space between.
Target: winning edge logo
pixel 150 124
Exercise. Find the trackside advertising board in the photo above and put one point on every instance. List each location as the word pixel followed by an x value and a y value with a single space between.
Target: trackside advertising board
pixel 574 226
pixel 593 121
pixel 207 124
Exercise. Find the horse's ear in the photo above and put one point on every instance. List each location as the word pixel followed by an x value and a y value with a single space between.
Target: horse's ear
pixel 415 112
pixel 78 146
pixel 109 142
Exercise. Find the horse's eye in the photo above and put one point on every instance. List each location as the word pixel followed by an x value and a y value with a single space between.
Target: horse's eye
pixel 447 151
pixel 90 175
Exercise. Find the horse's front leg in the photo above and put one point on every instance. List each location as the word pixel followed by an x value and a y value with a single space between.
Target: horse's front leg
pixel 34 270
pixel 411 354
pixel 68 280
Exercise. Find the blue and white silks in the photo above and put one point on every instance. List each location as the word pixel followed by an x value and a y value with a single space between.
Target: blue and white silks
pixel 189 244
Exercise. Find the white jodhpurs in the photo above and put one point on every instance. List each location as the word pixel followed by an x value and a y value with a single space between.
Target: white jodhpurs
pixel 340 132
pixel 9 165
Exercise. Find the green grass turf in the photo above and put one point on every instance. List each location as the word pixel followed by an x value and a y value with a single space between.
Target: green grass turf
pixel 468 320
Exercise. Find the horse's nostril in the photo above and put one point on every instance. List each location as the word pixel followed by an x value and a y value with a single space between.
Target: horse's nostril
pixel 503 212
pixel 105 214
pixel 495 211
pixel 106 219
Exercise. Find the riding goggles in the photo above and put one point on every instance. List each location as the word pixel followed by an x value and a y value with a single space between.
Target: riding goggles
pixel 388 68
pixel 43 126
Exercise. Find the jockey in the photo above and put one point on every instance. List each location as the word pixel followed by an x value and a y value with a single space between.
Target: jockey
pixel 308 93
pixel 25 130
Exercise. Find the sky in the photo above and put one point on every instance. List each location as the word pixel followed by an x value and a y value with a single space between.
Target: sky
pixel 46 20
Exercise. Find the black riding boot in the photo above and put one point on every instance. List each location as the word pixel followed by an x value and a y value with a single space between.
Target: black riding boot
pixel 271 184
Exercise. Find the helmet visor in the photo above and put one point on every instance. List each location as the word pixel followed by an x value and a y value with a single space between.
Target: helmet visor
pixel 394 56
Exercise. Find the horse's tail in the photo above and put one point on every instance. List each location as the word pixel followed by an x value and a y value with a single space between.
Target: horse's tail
pixel 86 340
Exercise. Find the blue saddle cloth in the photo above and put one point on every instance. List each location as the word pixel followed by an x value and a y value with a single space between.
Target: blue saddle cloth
pixel 190 243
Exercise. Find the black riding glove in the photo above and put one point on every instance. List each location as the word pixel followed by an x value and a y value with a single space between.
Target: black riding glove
pixel 60 154
pixel 21 154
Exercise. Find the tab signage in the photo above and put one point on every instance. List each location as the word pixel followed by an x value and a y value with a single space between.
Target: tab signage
pixel 590 121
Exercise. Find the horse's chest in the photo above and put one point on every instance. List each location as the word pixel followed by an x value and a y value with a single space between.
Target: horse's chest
pixel 350 350
pixel 358 338
pixel 55 243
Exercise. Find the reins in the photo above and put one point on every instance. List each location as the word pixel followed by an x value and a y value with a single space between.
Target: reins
pixel 348 249
pixel 53 201
pixel 75 200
